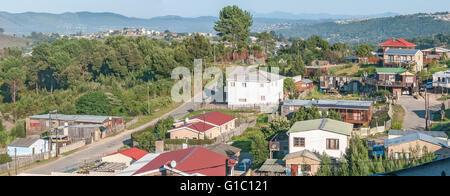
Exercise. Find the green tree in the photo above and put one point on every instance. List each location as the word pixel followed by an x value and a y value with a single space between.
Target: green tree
pixel 332 114
pixel 267 41
pixel 93 103
pixel 5 158
pixel 298 67
pixel 364 50
pixel 325 166
pixel 234 27
pixel 164 125
pixel 14 75
pixel 146 140
pixel 259 149
pixel 290 88
pixel 18 131
pixel 357 156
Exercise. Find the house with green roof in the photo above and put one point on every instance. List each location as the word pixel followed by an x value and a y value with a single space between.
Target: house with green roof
pixel 320 136
pixel 396 79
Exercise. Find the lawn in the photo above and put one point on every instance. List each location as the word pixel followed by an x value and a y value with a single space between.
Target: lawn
pixel 398 116
pixel 317 95
pixel 354 70
pixel 145 119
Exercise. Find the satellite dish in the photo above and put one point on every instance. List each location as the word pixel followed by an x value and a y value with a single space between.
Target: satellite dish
pixel 173 164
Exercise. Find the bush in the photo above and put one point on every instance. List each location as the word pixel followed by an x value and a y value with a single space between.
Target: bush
pixel 5 158
pixel 397 125
pixel 18 131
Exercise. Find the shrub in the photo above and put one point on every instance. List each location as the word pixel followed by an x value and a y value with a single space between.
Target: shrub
pixel 5 158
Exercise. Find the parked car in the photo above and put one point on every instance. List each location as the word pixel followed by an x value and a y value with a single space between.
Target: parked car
pixel 429 85
pixel 378 151
pixel 244 165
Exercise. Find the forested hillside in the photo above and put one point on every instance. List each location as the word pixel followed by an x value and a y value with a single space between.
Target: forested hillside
pixel 374 30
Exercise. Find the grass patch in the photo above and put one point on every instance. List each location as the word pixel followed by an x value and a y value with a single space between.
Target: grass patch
pixel 398 116
pixel 235 113
pixel 142 120
pixel 317 95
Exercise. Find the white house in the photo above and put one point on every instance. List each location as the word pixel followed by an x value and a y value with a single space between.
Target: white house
pixel 28 146
pixel 320 136
pixel 254 88
pixel 441 79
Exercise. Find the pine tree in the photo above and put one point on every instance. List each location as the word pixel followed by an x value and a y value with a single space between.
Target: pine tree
pixel 325 166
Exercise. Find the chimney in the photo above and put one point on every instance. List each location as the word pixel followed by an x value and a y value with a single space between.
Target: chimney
pixel 159 146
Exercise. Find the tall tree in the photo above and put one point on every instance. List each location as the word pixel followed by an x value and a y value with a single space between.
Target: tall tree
pixel 267 41
pixel 14 75
pixel 259 150
pixel 364 50
pixel 234 27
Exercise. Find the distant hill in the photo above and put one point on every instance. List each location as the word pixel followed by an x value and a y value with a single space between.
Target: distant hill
pixel 14 42
pixel 319 16
pixel 88 22
pixel 375 30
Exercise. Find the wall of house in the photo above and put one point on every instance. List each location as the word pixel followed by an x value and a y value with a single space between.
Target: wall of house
pixel 316 141
pixel 183 133
pixel 391 150
pixel 315 165
pixel 417 59
pixel 39 146
pixel 118 158
pixel 253 93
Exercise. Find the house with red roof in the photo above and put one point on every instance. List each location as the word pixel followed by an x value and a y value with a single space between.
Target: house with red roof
pixel 397 44
pixel 128 156
pixel 209 125
pixel 399 52
pixel 195 161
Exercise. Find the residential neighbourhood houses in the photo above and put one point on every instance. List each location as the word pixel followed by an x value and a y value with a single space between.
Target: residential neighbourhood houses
pixel 308 141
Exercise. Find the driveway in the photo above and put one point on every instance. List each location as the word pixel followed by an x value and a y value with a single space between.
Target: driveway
pixel 415 111
pixel 104 147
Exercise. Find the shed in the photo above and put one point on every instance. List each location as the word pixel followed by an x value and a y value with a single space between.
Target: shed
pixel 273 167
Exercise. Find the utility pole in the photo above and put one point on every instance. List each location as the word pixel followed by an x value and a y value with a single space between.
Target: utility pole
pixel 50 136
pixel 15 161
pixel 56 133
pixel 148 98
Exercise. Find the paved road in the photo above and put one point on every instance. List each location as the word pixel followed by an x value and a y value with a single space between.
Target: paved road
pixel 415 112
pixel 107 146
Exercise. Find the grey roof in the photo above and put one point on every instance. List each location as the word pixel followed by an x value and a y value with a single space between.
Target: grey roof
pixel 324 125
pixel 303 153
pixel 133 168
pixel 402 51
pixel 76 118
pixel 24 142
pixel 337 104
pixel 273 165
pixel 84 126
pixel 413 137
pixel 430 133
pixel 433 168
pixel 224 149
pixel 307 81
pixel 243 75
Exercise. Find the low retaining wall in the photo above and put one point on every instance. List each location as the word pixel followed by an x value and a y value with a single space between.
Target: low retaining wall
pixel 71 147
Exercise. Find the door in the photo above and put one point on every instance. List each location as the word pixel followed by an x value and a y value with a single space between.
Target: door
pixel 294 170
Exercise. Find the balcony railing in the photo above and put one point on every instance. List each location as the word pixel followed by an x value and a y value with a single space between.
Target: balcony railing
pixel 388 83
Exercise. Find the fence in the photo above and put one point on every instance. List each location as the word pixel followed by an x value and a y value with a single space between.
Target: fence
pixel 73 146
pixel 220 139
pixel 236 132
pixel 21 161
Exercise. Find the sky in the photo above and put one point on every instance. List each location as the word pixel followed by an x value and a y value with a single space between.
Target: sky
pixel 195 8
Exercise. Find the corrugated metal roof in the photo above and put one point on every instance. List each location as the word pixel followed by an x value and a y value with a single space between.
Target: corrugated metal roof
pixel 430 133
pixel 77 118
pixel 390 70
pixel 245 75
pixel 273 165
pixel 324 125
pixel 401 52
pixel 413 137
pixel 330 104
pixel 307 81
pixel 23 142
pixel 138 165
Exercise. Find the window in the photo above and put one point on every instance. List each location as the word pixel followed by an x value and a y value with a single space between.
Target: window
pixel 233 84
pixel 299 142
pixel 244 85
pixel 332 144
pixel 263 98
pixel 243 100
pixel 391 58
pixel 291 108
